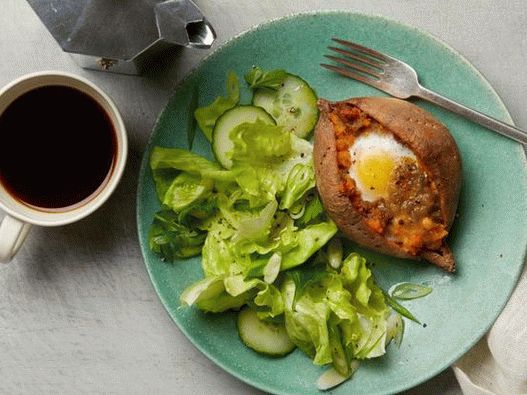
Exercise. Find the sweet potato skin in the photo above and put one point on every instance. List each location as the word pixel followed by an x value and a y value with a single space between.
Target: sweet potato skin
pixel 425 136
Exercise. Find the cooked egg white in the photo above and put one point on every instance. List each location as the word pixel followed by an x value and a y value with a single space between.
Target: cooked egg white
pixel 374 156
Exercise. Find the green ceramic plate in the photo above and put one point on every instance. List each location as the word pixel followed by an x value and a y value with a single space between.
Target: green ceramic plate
pixel 489 237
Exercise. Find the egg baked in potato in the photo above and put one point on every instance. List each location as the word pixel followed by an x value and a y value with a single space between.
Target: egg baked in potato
pixel 389 175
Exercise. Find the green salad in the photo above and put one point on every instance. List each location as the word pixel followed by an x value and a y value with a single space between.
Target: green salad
pixel 267 247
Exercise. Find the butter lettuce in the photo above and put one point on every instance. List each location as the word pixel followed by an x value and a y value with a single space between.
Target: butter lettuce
pixel 256 226
pixel 300 180
pixel 163 178
pixel 209 295
pixel 259 143
pixel 176 159
pixel 268 302
pixel 217 294
pixel 337 316
pixel 259 78
pixel 208 115
pixel 239 218
pixel 258 152
pixel 185 190
pixel 312 209
pixel 309 241
pixel 259 185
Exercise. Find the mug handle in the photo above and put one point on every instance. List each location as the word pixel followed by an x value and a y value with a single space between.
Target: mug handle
pixel 13 232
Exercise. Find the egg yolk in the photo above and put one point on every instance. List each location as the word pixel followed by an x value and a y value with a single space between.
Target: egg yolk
pixel 374 172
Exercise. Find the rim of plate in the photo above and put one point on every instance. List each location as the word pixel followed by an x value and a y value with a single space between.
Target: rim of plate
pixel 232 41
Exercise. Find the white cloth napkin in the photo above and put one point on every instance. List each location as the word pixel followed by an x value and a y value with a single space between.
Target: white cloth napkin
pixel 497 364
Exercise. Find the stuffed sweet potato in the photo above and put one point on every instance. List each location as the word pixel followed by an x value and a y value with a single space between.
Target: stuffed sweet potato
pixel 389 175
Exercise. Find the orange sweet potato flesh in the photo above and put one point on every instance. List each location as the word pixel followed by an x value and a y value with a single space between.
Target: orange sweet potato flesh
pixel 430 141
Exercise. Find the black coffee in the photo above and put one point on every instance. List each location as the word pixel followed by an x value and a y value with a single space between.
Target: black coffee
pixel 57 147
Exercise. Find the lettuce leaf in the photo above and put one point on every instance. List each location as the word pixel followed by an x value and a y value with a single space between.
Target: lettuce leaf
pixel 309 241
pixel 268 302
pixel 281 238
pixel 336 316
pixel 187 189
pixel 237 285
pixel 218 257
pixel 256 226
pixel 208 115
pixel 259 78
pixel 209 295
pixel 358 278
pixel 163 178
pixel 259 185
pixel 300 180
pixel 307 327
pixel 263 161
pixel 217 293
pixel 162 158
pixel 258 143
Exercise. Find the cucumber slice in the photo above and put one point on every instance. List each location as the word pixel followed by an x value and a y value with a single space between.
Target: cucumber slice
pixel 267 338
pixel 221 142
pixel 294 105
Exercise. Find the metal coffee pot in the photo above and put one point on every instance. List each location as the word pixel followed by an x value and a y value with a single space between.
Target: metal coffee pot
pixel 121 36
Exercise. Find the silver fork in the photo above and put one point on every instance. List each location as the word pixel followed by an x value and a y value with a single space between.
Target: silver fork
pixel 399 79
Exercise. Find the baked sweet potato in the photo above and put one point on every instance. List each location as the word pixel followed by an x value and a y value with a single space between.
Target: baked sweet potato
pixel 410 222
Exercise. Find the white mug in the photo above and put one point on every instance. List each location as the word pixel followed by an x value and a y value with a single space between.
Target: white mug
pixel 19 216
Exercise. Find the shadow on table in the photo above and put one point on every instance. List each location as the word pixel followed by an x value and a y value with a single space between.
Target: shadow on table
pixel 444 383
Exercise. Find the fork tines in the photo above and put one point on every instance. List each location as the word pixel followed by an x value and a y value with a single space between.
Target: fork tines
pixel 361 63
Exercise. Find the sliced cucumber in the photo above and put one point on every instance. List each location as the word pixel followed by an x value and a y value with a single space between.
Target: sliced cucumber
pixel 221 142
pixel 293 105
pixel 267 338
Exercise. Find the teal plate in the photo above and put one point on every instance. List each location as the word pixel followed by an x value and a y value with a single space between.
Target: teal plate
pixel 488 238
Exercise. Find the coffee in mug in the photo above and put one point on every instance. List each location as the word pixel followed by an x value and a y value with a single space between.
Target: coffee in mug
pixel 62 151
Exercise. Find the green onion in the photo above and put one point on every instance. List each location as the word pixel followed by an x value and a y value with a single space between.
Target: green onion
pixel 335 253
pixel 272 268
pixel 408 291
pixel 399 308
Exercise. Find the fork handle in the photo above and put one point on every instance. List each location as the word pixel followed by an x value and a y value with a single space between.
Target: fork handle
pixel 476 116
